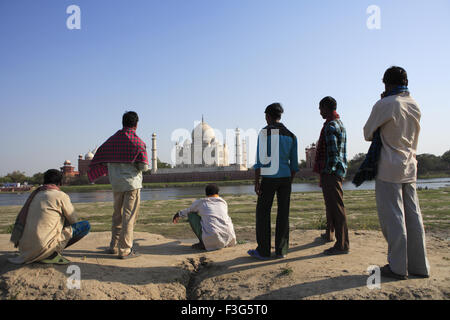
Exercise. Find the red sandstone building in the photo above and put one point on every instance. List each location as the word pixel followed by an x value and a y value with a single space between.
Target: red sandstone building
pixel 68 170
pixel 83 164
pixel 310 155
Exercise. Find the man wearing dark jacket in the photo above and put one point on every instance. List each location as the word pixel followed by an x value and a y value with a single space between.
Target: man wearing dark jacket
pixel 276 163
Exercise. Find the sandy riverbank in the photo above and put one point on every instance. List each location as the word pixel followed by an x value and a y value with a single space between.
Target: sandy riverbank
pixel 170 269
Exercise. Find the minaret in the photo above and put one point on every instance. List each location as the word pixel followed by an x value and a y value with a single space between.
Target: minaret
pixel 244 153
pixel 238 148
pixel 202 144
pixel 177 153
pixel 154 156
pixel 226 162
pixel 197 145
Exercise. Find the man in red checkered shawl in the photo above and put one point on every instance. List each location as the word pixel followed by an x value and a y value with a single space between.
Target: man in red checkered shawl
pixel 123 157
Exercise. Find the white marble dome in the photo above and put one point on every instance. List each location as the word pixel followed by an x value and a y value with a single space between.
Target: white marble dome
pixel 89 156
pixel 206 131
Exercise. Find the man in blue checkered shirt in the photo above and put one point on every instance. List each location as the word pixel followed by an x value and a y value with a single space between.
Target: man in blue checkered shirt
pixel 336 141
pixel 331 164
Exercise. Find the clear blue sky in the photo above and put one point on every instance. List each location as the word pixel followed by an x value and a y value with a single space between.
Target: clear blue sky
pixel 63 92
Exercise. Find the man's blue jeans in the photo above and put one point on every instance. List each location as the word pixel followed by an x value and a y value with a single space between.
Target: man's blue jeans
pixel 79 231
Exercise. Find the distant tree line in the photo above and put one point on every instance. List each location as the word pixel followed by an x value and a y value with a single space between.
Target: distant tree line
pixel 38 178
pixel 160 165
pixel 19 176
pixel 427 164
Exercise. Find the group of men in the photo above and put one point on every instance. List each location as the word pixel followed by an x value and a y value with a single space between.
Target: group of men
pixel 47 222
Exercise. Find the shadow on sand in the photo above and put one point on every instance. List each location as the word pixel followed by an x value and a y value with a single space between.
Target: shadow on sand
pixel 319 287
pixel 96 268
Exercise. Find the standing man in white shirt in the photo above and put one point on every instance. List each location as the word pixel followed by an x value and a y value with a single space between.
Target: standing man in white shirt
pixel 397 115
pixel 210 221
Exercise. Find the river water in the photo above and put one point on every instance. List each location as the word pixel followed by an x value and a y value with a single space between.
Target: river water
pixel 11 199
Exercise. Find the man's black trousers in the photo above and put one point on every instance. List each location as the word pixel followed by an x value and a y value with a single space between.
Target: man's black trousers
pixel 269 187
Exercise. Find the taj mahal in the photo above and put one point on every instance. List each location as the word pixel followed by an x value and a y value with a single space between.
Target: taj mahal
pixel 204 153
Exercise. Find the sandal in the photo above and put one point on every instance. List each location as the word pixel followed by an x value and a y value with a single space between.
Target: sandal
pixel 57 259
pixel 111 251
pixel 133 254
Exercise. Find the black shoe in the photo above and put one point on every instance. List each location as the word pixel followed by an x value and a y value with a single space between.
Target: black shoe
pixel 255 254
pixel 280 256
pixel 325 238
pixel 424 276
pixel 387 272
pixel 198 246
pixel 333 251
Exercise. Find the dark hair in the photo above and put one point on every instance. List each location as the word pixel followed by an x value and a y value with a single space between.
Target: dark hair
pixel 328 102
pixel 53 176
pixel 274 110
pixel 130 119
pixel 211 189
pixel 395 76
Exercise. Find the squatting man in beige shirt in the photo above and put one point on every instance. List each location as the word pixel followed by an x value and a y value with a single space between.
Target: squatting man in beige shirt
pixel 47 224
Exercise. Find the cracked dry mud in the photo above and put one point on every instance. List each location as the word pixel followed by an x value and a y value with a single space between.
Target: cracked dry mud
pixel 170 269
